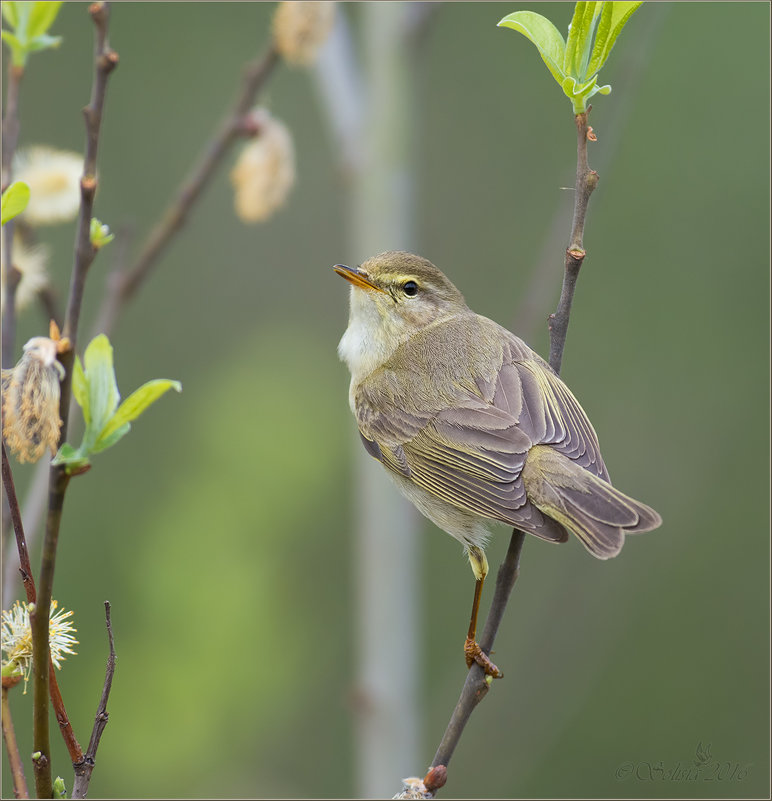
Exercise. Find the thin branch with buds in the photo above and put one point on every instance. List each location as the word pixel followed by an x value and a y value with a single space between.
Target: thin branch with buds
pixel 12 748
pixel 124 285
pixel 477 684
pixel 83 771
pixel 12 276
pixel 106 60
pixel 25 568
pixel 586 181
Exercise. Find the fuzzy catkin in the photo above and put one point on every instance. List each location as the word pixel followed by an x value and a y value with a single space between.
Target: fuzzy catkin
pixel 300 28
pixel 53 177
pixel 265 170
pixel 31 421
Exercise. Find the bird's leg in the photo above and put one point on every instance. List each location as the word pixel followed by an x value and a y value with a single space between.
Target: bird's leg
pixel 472 649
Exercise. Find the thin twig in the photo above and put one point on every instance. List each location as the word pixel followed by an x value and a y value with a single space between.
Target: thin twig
pixel 630 71
pixel 476 685
pixel 11 280
pixel 124 285
pixel 73 746
pixel 11 122
pixel 105 61
pixel 586 181
pixel 83 772
pixel 25 568
pixel 11 275
pixel 12 747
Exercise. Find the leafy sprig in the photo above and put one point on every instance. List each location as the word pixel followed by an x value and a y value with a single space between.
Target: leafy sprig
pixel 95 390
pixel 576 61
pixel 30 23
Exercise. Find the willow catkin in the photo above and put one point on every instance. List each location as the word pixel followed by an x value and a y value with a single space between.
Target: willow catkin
pixel 265 170
pixel 53 177
pixel 300 28
pixel 31 262
pixel 31 421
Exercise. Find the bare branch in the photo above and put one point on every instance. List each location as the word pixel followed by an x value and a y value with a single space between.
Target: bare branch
pixel 11 746
pixel 586 181
pixel 11 275
pixel 124 285
pixel 76 753
pixel 476 685
pixel 85 769
pixel 105 61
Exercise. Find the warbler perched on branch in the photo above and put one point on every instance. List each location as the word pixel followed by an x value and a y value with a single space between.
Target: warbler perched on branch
pixel 473 425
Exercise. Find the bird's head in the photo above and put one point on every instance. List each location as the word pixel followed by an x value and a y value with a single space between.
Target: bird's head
pixel 400 293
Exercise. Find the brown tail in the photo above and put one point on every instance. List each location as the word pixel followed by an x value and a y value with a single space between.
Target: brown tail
pixel 590 507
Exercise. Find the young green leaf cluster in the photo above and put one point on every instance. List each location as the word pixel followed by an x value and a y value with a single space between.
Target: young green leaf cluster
pixel 99 234
pixel 576 62
pixel 30 23
pixel 95 390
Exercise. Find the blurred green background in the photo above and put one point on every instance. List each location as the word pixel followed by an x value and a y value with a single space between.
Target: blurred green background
pixel 221 528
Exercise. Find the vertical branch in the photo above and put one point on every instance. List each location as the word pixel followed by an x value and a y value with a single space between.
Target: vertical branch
pixel 39 619
pixel 11 275
pixel 586 181
pixel 25 568
pixel 105 61
pixel 11 746
pixel 476 685
pixel 11 122
pixel 76 754
pixel 85 769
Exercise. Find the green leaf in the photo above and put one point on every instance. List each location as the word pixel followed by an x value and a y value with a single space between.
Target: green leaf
pixel 18 51
pixel 14 201
pixel 103 393
pixel 10 13
pixel 74 459
pixel 99 234
pixel 578 31
pixel 43 42
pixel 41 18
pixel 137 402
pixel 543 34
pixel 104 442
pixel 7 36
pixel 613 19
pixel 580 92
pixel 80 389
pixel 60 791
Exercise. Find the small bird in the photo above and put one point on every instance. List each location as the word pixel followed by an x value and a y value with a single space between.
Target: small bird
pixel 473 426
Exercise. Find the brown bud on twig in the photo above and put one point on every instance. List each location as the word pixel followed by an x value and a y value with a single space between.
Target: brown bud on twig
pixel 436 778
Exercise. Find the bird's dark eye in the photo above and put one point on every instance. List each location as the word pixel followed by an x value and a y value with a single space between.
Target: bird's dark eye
pixel 410 288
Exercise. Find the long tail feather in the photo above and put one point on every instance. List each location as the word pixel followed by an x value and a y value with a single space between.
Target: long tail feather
pixel 599 514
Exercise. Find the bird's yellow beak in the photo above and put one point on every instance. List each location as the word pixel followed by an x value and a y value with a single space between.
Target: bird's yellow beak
pixel 356 276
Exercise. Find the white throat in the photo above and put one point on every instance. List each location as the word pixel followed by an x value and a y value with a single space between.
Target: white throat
pixel 369 340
